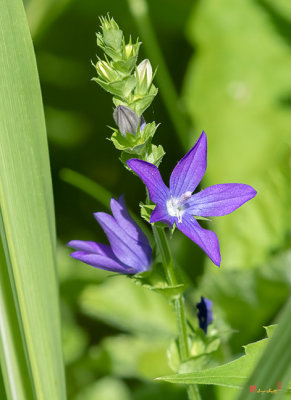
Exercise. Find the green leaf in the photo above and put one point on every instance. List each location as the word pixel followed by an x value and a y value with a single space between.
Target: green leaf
pixel 121 303
pixel 233 374
pixel 133 356
pixel 30 339
pixel 106 388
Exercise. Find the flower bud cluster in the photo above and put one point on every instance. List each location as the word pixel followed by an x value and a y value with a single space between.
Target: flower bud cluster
pixel 131 85
pixel 133 91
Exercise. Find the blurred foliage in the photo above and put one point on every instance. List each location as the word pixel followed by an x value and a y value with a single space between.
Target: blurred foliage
pixel 242 104
pixel 238 89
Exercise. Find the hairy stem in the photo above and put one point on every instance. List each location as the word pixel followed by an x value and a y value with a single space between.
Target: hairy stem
pixel 162 243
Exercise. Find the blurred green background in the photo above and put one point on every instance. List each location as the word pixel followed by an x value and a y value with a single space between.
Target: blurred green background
pixel 230 63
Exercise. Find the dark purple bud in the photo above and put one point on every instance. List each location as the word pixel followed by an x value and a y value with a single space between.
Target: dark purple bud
pixel 205 315
pixel 126 119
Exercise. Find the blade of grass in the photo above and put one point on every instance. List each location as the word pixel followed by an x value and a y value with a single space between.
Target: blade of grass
pixel 139 10
pixel 12 353
pixel 2 388
pixel 31 355
pixel 87 185
pixel 98 192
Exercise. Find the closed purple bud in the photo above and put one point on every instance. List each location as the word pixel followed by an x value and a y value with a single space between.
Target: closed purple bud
pixel 205 315
pixel 126 119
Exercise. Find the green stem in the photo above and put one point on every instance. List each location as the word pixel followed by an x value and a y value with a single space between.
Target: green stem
pixel 167 261
pixel 139 10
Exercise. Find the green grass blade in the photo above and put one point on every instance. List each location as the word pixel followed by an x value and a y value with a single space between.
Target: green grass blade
pixel 98 192
pixel 87 185
pixel 12 354
pixel 30 345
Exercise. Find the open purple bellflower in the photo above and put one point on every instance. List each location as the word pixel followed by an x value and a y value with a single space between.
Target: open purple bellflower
pixel 205 316
pixel 177 204
pixel 129 251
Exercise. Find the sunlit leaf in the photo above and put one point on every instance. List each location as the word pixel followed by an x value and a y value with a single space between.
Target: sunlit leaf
pixel 123 304
pixel 233 374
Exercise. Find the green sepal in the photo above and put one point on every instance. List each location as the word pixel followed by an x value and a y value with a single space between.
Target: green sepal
pixel 134 144
pixel 137 103
pixel 124 157
pixel 173 228
pixel 141 103
pixel 201 218
pixel 125 66
pixel 112 39
pixel 155 155
pixel 121 88
pixel 146 211
pixel 155 280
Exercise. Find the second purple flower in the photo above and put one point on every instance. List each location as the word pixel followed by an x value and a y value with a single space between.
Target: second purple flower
pixel 129 251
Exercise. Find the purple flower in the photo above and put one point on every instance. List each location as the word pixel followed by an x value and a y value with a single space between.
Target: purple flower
pixel 178 205
pixel 129 251
pixel 205 315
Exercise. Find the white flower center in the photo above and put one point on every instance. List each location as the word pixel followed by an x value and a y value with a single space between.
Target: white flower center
pixel 175 206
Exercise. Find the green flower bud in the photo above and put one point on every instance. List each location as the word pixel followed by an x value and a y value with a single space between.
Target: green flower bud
pixel 128 50
pixel 144 75
pixel 111 38
pixel 106 72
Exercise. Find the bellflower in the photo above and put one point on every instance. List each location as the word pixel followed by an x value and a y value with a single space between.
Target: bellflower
pixel 129 251
pixel 177 204
pixel 205 315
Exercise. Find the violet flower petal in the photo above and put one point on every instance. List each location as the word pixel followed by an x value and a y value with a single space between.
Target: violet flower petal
pixel 102 262
pixel 125 221
pixel 218 200
pixel 205 239
pixel 126 249
pixel 91 247
pixel 149 173
pixel 190 169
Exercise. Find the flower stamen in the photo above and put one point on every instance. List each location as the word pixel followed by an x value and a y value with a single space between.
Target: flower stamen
pixel 175 206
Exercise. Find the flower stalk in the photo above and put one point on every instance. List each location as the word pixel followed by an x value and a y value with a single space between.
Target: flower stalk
pixel 162 243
